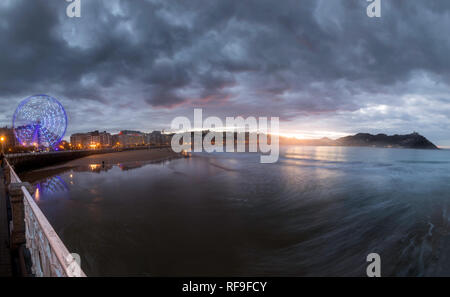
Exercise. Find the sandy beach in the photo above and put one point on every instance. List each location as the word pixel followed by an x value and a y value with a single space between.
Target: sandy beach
pixel 126 160
pixel 124 157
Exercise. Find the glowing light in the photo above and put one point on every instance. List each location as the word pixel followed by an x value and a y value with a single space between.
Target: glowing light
pixel 2 139
pixel 37 195
pixel 94 166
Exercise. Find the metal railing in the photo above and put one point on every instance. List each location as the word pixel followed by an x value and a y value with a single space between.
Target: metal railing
pixel 49 255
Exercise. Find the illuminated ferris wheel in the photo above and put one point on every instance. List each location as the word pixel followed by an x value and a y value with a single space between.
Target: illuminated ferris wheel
pixel 40 121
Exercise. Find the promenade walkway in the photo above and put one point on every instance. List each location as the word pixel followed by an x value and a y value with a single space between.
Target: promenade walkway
pixel 5 255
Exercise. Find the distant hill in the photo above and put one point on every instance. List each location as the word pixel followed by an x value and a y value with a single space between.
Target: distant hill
pixel 413 141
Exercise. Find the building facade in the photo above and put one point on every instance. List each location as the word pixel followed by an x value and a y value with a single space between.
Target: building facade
pixel 126 138
pixel 9 137
pixel 129 138
pixel 93 139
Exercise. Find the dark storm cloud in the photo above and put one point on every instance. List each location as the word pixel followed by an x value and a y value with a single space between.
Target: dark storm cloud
pixel 286 58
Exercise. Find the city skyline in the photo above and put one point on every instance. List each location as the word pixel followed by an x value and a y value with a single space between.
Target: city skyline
pixel 326 69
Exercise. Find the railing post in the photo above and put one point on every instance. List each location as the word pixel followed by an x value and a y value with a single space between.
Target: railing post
pixel 7 174
pixel 18 213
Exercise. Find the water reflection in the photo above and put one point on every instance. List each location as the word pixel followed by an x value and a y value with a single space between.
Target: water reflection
pixel 97 168
pixel 102 167
pixel 337 154
pixel 317 212
pixel 47 188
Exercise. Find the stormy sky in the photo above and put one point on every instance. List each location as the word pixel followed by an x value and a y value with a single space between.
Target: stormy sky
pixel 322 66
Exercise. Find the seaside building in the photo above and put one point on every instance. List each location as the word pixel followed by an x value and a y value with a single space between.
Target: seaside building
pixel 9 138
pixel 80 140
pixel 154 138
pixel 129 138
pixel 126 138
pixel 105 139
pixel 92 139
pixel 158 138
pixel 166 139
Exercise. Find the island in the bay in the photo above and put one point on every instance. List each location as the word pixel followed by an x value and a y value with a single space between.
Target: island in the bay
pixel 411 141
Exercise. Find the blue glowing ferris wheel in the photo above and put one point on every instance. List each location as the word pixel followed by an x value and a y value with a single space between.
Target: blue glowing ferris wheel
pixel 40 121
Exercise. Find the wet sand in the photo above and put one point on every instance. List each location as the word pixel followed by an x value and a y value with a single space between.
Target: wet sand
pixel 126 159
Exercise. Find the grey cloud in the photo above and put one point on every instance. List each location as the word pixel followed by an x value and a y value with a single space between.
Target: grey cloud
pixel 291 59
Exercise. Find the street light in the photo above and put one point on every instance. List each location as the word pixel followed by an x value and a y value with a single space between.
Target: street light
pixel 2 139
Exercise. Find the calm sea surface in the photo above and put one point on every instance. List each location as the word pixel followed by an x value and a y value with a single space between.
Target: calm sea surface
pixel 319 211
